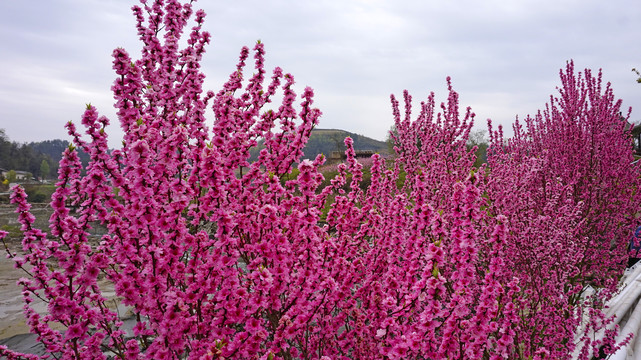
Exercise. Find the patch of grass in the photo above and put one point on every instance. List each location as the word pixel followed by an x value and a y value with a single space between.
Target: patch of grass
pixel 13 230
pixel 39 193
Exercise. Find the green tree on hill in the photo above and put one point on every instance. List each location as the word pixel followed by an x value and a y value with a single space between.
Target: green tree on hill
pixel 11 176
pixel 479 139
pixel 44 169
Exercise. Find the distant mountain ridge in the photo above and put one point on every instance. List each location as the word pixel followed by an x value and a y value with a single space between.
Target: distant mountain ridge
pixel 28 157
pixel 326 141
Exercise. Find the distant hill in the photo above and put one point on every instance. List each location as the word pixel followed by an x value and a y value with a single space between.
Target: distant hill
pixel 54 149
pixel 326 141
pixel 28 157
pixel 21 157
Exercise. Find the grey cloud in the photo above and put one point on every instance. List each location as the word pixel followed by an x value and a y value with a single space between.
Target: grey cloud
pixel 504 57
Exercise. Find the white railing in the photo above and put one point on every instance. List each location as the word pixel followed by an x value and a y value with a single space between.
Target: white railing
pixel 626 312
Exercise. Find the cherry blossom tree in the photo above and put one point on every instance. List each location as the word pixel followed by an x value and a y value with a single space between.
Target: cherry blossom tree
pixel 567 184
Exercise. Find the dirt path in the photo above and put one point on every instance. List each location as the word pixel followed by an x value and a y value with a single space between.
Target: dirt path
pixel 14 332
pixel 11 318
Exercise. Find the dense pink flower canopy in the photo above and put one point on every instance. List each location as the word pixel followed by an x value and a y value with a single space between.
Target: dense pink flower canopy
pixel 218 257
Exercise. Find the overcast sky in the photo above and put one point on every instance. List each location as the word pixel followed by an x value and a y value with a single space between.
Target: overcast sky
pixel 503 56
